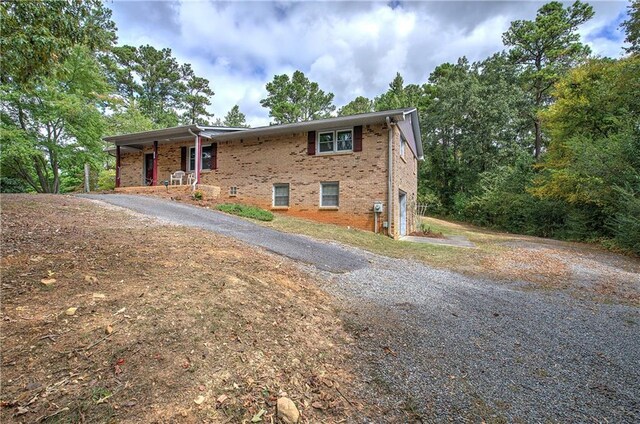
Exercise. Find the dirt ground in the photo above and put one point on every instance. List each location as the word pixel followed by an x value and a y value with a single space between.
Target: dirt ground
pixel 172 324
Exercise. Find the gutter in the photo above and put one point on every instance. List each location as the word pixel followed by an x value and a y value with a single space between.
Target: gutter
pixel 390 124
pixel 196 160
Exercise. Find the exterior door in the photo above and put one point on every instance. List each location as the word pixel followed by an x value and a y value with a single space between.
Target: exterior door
pixel 148 169
pixel 402 202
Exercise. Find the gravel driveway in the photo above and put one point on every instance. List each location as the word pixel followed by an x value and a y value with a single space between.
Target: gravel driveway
pixel 441 347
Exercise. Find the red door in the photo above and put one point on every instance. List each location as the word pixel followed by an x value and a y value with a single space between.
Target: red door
pixel 148 169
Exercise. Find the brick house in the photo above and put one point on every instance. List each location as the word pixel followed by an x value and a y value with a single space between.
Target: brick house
pixel 358 171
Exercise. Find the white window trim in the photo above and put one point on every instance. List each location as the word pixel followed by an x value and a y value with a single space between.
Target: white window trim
pixel 335 141
pixel 191 148
pixel 321 190
pixel 273 195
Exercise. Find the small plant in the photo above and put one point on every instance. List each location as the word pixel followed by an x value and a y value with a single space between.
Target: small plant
pixel 246 211
pixel 197 195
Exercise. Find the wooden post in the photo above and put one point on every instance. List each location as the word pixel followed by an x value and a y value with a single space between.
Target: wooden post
pixel 117 166
pixel 86 178
pixel 155 163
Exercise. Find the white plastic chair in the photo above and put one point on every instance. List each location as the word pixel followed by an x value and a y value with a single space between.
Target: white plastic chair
pixel 191 178
pixel 177 176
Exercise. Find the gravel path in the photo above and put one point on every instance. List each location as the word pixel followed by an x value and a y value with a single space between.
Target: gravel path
pixel 447 348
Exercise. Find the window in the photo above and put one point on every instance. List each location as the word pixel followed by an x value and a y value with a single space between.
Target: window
pixel 335 141
pixel 207 161
pixel 329 194
pixel 403 144
pixel 233 191
pixel 281 195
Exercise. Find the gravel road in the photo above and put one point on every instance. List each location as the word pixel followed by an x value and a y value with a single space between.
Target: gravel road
pixel 442 347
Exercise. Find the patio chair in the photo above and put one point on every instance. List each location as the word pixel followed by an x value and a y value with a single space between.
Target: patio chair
pixel 176 177
pixel 191 178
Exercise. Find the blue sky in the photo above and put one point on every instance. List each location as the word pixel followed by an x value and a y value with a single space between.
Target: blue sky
pixel 350 48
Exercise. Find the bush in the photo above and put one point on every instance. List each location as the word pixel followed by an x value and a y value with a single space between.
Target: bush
pixel 626 223
pixel 197 195
pixel 246 211
pixel 106 179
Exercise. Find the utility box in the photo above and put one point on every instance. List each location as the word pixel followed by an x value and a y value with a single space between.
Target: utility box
pixel 377 207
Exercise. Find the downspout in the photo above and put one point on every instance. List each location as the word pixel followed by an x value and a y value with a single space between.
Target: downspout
pixel 390 182
pixel 196 161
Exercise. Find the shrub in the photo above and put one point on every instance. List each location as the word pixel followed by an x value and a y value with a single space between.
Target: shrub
pixel 197 195
pixel 107 179
pixel 246 211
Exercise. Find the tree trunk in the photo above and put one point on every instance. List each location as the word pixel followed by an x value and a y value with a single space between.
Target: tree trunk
pixel 538 142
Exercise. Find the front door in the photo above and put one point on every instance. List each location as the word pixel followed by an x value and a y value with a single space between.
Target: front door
pixel 402 202
pixel 148 169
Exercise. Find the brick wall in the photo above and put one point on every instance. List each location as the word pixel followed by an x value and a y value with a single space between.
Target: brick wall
pixel 254 164
pixel 405 172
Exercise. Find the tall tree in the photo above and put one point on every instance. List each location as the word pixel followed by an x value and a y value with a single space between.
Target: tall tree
pixel 196 97
pixel 399 96
pixel 358 105
pixel 545 49
pixel 234 118
pixel 296 99
pixel 632 27
pixel 36 36
pixel 593 163
pixel 52 88
pixel 58 127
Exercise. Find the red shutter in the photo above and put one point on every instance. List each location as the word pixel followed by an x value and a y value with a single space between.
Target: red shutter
pixel 183 158
pixel 357 138
pixel 214 156
pixel 311 143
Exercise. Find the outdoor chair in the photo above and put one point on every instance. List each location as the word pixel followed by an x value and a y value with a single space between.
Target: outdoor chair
pixel 177 176
pixel 191 177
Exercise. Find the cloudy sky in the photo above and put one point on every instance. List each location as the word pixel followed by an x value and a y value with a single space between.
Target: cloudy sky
pixel 349 48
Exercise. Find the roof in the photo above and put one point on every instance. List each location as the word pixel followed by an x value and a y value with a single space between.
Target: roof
pixel 406 118
pixel 168 134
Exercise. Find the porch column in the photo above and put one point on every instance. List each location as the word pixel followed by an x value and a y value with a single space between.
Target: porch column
pixel 155 163
pixel 117 166
pixel 198 158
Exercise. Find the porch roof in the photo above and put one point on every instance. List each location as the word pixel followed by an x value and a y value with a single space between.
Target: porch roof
pixel 167 135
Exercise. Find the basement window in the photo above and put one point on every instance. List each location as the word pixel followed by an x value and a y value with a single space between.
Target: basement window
pixel 329 194
pixel 280 195
pixel 233 191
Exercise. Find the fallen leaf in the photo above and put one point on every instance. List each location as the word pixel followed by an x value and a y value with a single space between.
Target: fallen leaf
pixel 199 400
pixel 21 411
pixel 317 405
pixel 222 398
pixel 108 330
pixel 71 311
pixel 50 273
pixel 258 417
pixel 90 279
pixel 98 296
pixel 48 281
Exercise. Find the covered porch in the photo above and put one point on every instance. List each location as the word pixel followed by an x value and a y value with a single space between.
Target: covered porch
pixel 150 158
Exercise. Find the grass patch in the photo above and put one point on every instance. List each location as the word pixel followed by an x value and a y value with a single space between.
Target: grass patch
pixel 252 212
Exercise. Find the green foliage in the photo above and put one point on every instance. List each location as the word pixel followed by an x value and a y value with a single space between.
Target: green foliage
pixel 197 195
pixel 595 146
pixel 164 91
pixel 106 179
pixel 296 99
pixel 545 49
pixel 234 118
pixel 632 27
pixel 252 212
pixel 38 36
pixel 54 125
pixel 399 96
pixel 359 105
pixel 625 224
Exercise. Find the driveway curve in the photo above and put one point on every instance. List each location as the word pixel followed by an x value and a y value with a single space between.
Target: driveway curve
pixel 438 346
pixel 324 256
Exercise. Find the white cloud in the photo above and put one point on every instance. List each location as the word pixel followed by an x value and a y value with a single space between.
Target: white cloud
pixel 350 49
